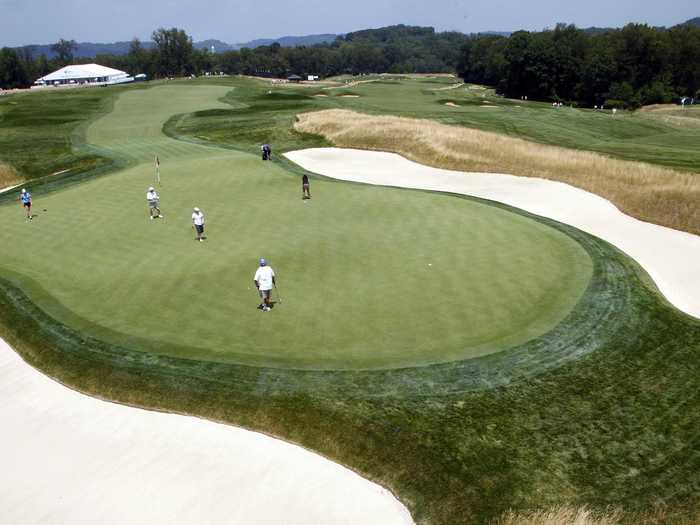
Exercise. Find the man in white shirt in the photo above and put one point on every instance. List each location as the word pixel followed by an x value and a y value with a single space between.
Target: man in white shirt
pixel 264 281
pixel 153 203
pixel 198 223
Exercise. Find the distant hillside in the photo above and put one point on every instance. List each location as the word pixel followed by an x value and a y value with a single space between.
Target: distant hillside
pixel 90 49
pixel 495 33
pixel 218 45
pixel 86 49
pixel 290 41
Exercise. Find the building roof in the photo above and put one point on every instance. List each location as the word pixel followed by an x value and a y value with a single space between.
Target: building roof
pixel 82 71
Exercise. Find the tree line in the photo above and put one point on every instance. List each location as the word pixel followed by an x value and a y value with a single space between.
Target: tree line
pixel 396 49
pixel 627 67
pixel 630 67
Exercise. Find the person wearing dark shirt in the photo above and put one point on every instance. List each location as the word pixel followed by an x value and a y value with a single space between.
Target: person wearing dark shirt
pixel 305 189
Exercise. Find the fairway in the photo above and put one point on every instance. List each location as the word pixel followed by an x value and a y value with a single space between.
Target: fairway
pixel 370 277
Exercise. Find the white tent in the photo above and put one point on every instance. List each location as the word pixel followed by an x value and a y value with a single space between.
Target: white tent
pixel 92 74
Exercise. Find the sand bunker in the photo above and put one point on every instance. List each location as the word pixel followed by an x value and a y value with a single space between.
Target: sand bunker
pixel 70 458
pixel 669 256
pixel 320 95
pixel 447 88
pixel 451 104
pixel 349 96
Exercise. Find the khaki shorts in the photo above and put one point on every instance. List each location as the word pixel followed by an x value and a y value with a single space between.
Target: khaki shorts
pixel 265 294
pixel 154 204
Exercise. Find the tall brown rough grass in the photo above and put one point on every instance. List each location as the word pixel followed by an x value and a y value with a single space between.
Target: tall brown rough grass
pixel 650 193
pixel 8 176
pixel 584 516
pixel 561 516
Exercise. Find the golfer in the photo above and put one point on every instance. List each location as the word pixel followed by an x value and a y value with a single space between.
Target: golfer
pixel 305 188
pixel 26 200
pixel 266 151
pixel 153 203
pixel 264 281
pixel 198 223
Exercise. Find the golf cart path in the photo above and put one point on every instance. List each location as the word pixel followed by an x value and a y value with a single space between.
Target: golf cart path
pixel 70 458
pixel 670 257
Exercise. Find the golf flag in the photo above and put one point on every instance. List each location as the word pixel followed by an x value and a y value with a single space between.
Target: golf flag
pixel 157 169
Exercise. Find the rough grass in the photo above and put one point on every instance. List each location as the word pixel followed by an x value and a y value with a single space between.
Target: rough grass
pixel 567 515
pixel 42 133
pixel 8 176
pixel 650 193
pixel 561 516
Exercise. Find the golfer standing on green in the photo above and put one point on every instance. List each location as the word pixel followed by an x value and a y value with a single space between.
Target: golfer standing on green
pixel 305 188
pixel 26 200
pixel 153 203
pixel 198 223
pixel 264 281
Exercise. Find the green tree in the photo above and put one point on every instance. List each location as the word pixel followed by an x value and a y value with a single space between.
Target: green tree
pixel 685 57
pixel 174 52
pixel 623 95
pixel 12 71
pixel 42 66
pixel 64 50
pixel 139 59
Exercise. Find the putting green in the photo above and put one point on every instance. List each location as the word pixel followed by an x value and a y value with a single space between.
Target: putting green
pixel 371 277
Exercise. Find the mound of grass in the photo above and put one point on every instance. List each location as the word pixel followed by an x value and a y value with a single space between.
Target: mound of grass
pixel 41 133
pixel 281 96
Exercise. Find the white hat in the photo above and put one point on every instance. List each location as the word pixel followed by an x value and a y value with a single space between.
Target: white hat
pixel 151 189
pixel 196 209
pixel 24 191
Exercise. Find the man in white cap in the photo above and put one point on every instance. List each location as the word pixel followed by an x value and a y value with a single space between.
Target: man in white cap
pixel 264 281
pixel 198 223
pixel 153 203
pixel 26 200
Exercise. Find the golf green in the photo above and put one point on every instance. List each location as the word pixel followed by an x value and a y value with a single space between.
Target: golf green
pixel 369 277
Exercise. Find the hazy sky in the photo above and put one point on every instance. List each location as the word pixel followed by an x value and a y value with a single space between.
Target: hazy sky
pixel 45 21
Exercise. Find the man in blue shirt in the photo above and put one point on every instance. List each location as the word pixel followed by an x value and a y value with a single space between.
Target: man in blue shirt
pixel 26 199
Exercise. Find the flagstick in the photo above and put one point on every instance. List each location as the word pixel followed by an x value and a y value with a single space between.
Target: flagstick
pixel 157 170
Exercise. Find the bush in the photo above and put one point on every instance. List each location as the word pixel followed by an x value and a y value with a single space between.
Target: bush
pixel 657 93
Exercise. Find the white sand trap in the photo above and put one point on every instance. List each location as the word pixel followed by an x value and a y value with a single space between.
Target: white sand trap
pixel 321 95
pixel 447 88
pixel 8 188
pixel 68 458
pixel 669 256
pixel 349 96
pixel 487 106
pixel 451 104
